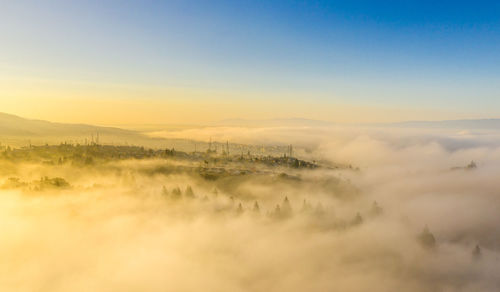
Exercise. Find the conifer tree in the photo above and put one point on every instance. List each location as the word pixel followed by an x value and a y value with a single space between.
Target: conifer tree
pixel 189 192
pixel 239 210
pixel 476 252
pixel 256 208
pixel 357 219
pixel 426 238
pixel 287 208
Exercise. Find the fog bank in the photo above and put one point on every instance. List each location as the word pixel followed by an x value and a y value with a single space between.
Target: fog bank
pixel 413 218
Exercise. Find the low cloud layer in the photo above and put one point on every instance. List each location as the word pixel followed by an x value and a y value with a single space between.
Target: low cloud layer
pixel 123 227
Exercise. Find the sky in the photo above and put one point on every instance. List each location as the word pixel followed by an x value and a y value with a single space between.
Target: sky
pixel 183 62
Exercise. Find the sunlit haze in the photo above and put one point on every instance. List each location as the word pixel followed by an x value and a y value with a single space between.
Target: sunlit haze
pixel 249 146
pixel 198 61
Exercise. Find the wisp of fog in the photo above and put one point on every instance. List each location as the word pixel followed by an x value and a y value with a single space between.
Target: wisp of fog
pixel 416 211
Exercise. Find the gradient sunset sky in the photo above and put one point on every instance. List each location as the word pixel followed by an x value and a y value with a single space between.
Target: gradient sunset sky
pixel 155 62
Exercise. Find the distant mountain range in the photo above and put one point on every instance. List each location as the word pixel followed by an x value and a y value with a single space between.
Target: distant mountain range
pixel 15 130
pixel 272 123
pixel 454 124
pixel 18 132
pixel 11 125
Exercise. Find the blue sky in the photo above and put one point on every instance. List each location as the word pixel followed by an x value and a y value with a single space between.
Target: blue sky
pixel 436 55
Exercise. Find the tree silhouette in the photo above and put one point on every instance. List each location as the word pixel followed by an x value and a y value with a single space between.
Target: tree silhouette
pixel 476 252
pixel 306 207
pixel 176 193
pixel 287 208
pixel 164 191
pixel 189 192
pixel 376 209
pixel 256 208
pixel 426 238
pixel 239 210
pixel 277 211
pixel 357 219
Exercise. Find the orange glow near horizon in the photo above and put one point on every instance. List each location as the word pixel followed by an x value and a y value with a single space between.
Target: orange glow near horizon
pixel 116 104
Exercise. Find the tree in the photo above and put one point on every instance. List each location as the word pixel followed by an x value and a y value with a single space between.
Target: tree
pixel 476 252
pixel 357 219
pixel 176 193
pixel 189 192
pixel 287 208
pixel 472 165
pixel 256 208
pixel 376 209
pixel 426 238
pixel 164 191
pixel 277 211
pixel 306 207
pixel 239 210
